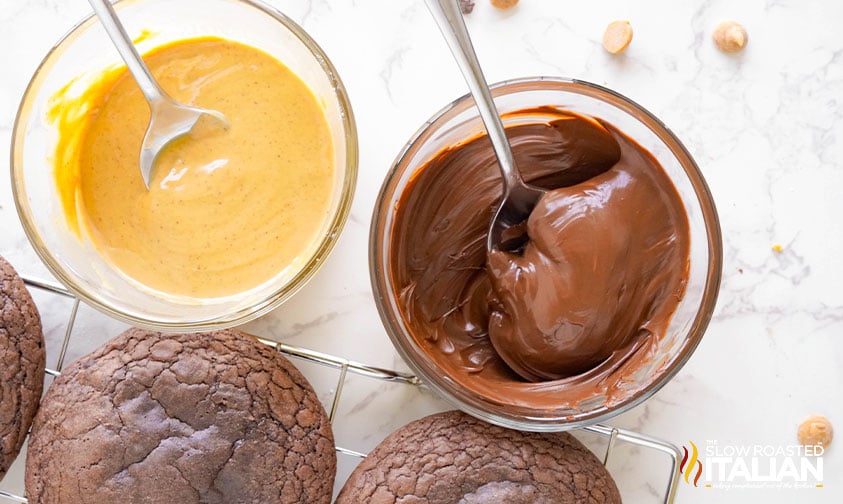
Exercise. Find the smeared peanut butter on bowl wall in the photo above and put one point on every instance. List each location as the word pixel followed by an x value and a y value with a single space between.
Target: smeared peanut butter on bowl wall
pixel 227 209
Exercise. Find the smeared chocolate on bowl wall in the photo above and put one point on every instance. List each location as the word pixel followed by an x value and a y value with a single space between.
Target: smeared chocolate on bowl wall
pixel 588 299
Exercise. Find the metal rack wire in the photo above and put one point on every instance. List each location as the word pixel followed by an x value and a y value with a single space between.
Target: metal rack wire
pixel 613 435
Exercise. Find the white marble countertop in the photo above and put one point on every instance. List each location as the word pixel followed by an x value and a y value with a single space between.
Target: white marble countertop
pixel 765 125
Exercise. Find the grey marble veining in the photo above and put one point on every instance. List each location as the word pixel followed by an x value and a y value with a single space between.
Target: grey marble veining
pixel 765 126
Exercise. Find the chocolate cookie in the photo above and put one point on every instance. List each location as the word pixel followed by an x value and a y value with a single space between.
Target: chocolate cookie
pixel 181 418
pixel 22 361
pixel 452 458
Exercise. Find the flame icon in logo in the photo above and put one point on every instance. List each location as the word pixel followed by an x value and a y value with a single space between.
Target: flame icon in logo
pixel 686 467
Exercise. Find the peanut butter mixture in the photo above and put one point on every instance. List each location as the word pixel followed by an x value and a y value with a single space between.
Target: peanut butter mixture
pixel 228 209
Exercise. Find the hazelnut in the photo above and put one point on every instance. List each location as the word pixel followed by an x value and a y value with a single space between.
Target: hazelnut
pixel 729 36
pixel 504 4
pixel 466 6
pixel 617 36
pixel 815 430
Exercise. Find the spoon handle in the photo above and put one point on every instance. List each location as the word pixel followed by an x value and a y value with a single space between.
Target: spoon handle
pixel 449 18
pixel 117 33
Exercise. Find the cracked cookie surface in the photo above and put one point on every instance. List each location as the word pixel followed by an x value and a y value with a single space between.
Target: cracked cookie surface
pixel 452 458
pixel 22 361
pixel 187 418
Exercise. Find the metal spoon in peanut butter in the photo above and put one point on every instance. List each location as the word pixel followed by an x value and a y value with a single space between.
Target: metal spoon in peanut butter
pixel 170 119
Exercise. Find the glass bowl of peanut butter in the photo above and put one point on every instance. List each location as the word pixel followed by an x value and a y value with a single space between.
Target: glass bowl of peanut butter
pixel 236 219
pixel 604 303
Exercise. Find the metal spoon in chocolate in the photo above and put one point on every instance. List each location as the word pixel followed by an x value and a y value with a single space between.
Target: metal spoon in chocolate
pixel 170 119
pixel 507 230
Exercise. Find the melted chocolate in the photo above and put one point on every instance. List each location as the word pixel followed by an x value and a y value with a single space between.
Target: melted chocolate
pixel 591 295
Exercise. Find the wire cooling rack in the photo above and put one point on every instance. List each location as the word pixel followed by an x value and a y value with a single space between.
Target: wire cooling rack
pixel 613 435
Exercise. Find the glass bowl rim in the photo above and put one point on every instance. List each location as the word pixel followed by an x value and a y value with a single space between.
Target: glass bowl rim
pixel 228 318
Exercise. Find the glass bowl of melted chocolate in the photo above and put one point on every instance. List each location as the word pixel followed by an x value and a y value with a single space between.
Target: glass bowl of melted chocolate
pixel 605 302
